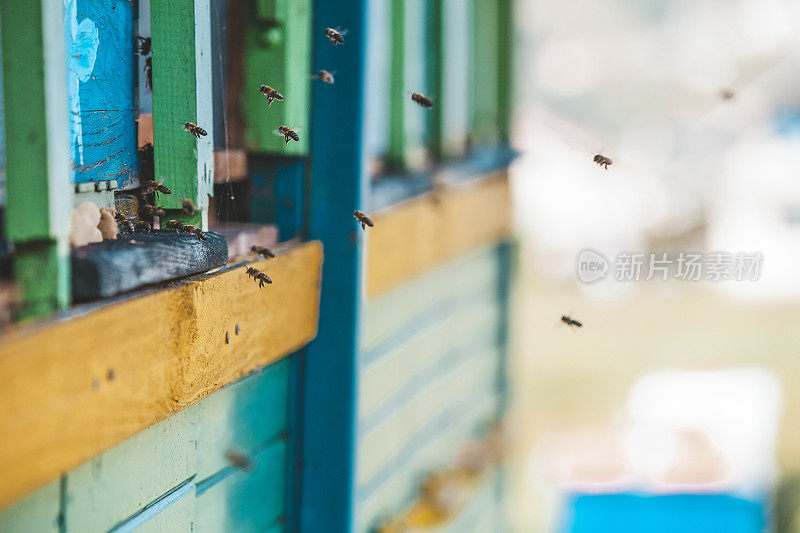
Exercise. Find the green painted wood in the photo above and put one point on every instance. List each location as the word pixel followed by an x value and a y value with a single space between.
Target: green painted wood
pixel 244 417
pixel 410 124
pixel 484 94
pixel 470 382
pixel 247 416
pixel 395 155
pixel 453 102
pixel 474 327
pixel 38 512
pixel 278 53
pixel 402 488
pixel 390 311
pixel 38 191
pixel 247 501
pixel 505 66
pixel 182 92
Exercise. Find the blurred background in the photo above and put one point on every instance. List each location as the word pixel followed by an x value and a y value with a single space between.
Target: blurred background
pixel 677 397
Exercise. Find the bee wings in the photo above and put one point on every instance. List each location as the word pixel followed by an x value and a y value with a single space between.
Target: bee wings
pixel 277 132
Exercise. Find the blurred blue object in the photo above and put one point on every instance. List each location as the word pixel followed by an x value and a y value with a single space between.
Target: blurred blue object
pixel 670 513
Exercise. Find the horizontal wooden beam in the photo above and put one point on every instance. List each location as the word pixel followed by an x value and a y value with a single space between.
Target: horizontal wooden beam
pixel 74 388
pixel 415 236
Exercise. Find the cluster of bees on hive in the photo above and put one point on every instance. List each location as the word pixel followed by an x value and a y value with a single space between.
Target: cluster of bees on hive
pixel 336 37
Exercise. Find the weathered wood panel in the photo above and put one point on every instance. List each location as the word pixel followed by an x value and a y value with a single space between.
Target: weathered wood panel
pixel 38 513
pixel 414 237
pixel 75 388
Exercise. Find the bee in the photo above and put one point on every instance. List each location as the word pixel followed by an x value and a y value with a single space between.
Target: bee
pixel 289 134
pixel 571 322
pixel 148 72
pixel 363 219
pixel 189 208
pixel 195 130
pixel 422 100
pixel 125 223
pixel 153 211
pixel 191 229
pixel 266 252
pixel 325 76
pixel 239 460
pixel 143 46
pixel 727 94
pixel 270 93
pixel 143 227
pixel 258 276
pixel 335 36
pixel 176 225
pixel 152 186
pixel 602 160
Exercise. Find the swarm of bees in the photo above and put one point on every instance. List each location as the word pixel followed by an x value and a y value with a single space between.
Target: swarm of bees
pixel 289 134
pixel 195 130
pixel 335 36
pixel 258 276
pixel 188 229
pixel 266 252
pixel 422 100
pixel 270 93
pixel 363 219
pixel 602 160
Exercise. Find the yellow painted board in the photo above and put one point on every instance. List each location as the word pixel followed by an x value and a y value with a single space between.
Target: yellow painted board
pixel 74 388
pixel 415 236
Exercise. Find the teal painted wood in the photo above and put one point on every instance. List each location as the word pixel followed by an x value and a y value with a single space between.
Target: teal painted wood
pixel 400 487
pixel 472 381
pixel 39 512
pixel 173 513
pixel 378 79
pixel 389 312
pixel 249 416
pixel 247 501
pixel 338 180
pixel 453 102
pixel 38 191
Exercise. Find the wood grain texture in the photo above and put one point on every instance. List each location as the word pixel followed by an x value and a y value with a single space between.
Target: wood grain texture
pixel 75 388
pixel 413 237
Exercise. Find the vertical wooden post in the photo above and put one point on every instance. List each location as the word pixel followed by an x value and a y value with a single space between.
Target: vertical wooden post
pixel 485 69
pixel 37 155
pixel 182 92
pixel 505 66
pixel 397 124
pixel 337 184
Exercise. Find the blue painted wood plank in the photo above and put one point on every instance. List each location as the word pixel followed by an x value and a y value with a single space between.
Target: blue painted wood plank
pixel 100 82
pixel 38 512
pixel 337 185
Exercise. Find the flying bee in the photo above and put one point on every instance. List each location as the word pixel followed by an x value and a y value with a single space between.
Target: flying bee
pixel 326 76
pixel 270 93
pixel 143 46
pixel 602 160
pixel 266 252
pixel 571 322
pixel 289 134
pixel 258 276
pixel 148 72
pixel 153 211
pixel 239 460
pixel 189 208
pixel 727 94
pixel 422 100
pixel 195 130
pixel 143 227
pixel 152 186
pixel 335 36
pixel 363 219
